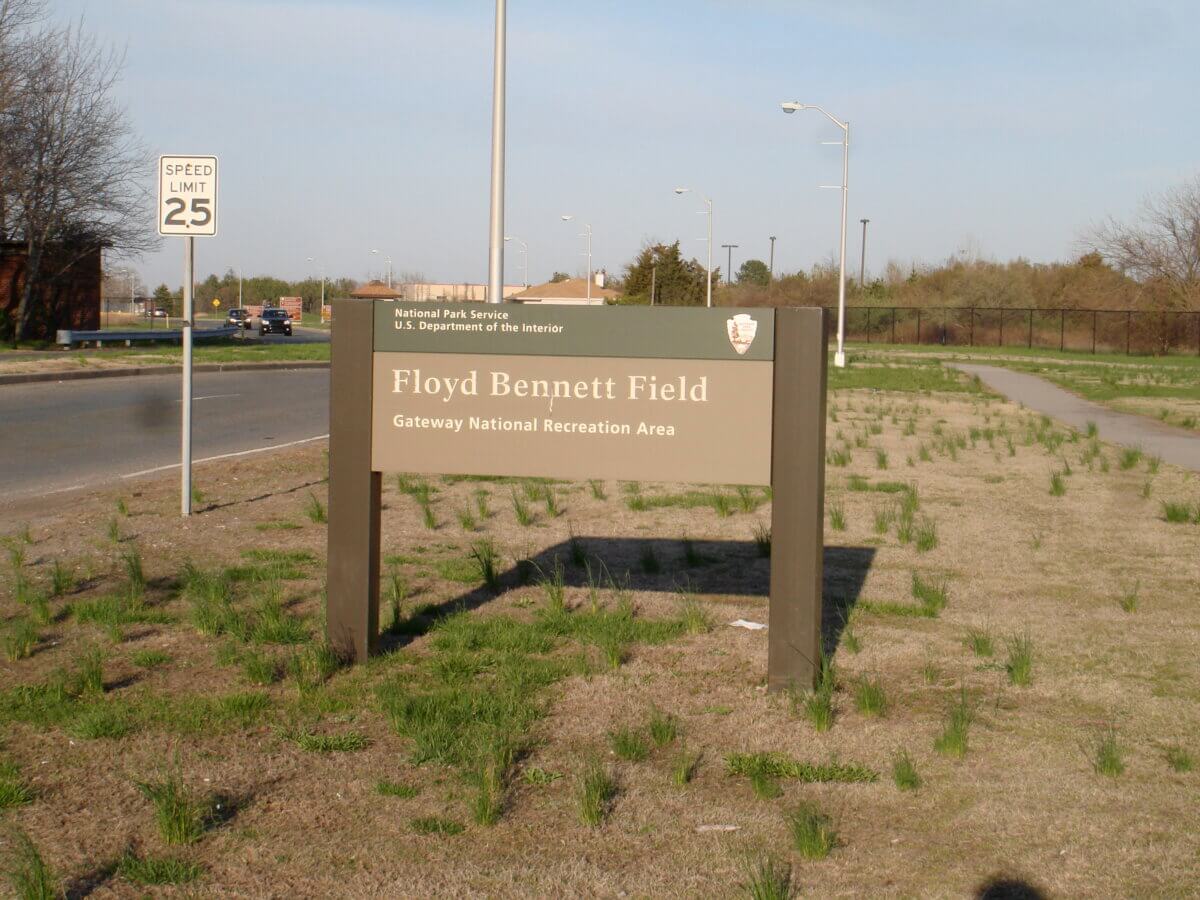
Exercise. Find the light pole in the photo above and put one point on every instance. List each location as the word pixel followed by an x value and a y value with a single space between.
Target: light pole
pixel 587 233
pixel 524 257
pixel 839 358
pixel 496 224
pixel 862 266
pixel 708 203
pixel 729 264
pixel 388 261
pixel 772 257
pixel 320 268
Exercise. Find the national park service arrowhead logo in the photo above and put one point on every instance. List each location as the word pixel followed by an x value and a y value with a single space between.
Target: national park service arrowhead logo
pixel 742 330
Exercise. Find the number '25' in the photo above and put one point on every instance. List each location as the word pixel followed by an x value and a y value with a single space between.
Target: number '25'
pixel 201 214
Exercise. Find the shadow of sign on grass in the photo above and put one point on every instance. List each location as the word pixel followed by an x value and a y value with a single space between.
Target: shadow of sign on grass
pixel 656 565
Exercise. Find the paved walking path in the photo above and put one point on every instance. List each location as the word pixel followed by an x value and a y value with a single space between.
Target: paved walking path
pixel 1174 445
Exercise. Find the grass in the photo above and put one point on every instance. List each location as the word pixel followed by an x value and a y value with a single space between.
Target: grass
pixel 487 559
pixel 837 515
pixel 926 537
pixel 1019 665
pixel 932 595
pixel 769 879
pixel 1178 758
pixel 260 668
pixel 683 768
pixel 1129 599
pixel 1108 758
pixel 21 639
pixel 904 772
pixel 597 788
pixel 540 777
pixel 762 539
pixel 157 869
pixel 62 580
pixel 1058 485
pixel 521 510
pixel 314 510
pixel 436 825
pixel 954 739
pixel 663 728
pixel 466 519
pixel 13 789
pixel 386 788
pixel 597 489
pixel 811 831
pixel 870 697
pixel 180 814
pixel 980 641
pixel 1129 458
pixel 346 742
pixel 150 659
pixel 1181 513
pixel 648 560
pixel 629 744
pixel 28 874
pixel 779 765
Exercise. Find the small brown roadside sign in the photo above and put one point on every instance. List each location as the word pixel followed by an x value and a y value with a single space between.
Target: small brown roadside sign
pixel 712 396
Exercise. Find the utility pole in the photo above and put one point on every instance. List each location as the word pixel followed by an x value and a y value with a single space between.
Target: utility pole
pixel 862 266
pixel 496 232
pixel 653 283
pixel 772 257
pixel 729 270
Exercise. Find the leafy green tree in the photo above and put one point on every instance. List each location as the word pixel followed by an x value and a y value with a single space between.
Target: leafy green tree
pixel 559 277
pixel 677 281
pixel 754 271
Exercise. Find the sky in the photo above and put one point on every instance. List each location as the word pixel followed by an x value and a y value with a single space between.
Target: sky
pixel 1001 128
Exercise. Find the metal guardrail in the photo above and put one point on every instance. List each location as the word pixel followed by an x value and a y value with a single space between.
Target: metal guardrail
pixel 70 338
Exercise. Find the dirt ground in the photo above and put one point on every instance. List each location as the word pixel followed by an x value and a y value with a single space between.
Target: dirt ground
pixel 1024 805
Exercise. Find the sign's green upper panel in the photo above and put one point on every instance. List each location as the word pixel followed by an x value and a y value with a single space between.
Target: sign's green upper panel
pixel 629 332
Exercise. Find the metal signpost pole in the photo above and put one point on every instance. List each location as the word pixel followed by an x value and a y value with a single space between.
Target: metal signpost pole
pixel 772 257
pixel 189 269
pixel 496 235
pixel 187 206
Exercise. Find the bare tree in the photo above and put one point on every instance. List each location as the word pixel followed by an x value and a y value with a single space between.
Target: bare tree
pixel 73 174
pixel 1162 249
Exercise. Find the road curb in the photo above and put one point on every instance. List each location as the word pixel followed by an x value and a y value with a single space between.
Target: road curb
pixel 85 375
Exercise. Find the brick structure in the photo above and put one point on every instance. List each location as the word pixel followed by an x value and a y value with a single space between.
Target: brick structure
pixel 70 292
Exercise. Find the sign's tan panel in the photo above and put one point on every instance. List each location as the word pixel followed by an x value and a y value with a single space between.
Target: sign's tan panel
pixel 705 421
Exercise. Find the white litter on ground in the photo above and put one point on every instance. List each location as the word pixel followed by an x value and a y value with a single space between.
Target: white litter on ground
pixel 749 626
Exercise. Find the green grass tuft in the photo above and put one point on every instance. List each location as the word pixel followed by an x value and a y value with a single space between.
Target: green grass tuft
pixel 157 869
pixel 954 739
pixel 435 825
pixel 812 832
pixel 180 814
pixel 629 744
pixel 386 788
pixel 1108 758
pixel 597 788
pixel 904 772
pixel 769 879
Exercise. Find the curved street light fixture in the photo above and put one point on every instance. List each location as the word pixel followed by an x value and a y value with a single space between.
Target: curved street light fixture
pixel 587 233
pixel 792 106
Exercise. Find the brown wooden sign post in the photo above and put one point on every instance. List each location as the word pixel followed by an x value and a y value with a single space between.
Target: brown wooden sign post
pixel 625 393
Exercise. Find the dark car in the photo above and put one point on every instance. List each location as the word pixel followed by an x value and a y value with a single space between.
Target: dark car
pixel 275 321
pixel 238 317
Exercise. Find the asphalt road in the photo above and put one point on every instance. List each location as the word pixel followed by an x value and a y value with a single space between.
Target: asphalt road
pixel 59 436
pixel 1174 445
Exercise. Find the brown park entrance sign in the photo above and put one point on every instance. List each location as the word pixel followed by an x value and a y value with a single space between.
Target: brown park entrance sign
pixel 625 393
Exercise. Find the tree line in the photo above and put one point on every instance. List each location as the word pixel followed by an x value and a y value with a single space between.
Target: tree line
pixel 73 175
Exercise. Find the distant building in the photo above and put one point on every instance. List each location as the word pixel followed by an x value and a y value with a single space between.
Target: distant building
pixel 572 292
pixel 452 293
pixel 69 296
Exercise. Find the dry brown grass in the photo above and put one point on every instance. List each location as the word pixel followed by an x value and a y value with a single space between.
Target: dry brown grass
pixel 1024 803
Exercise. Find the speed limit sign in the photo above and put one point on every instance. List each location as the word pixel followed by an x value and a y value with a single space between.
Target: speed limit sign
pixel 187 195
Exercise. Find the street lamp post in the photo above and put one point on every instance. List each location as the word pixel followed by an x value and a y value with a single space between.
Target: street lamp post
pixel 388 269
pixel 729 263
pixel 708 203
pixel 839 358
pixel 524 257
pixel 496 223
pixel 587 233
pixel 321 269
pixel 772 257
pixel 862 266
